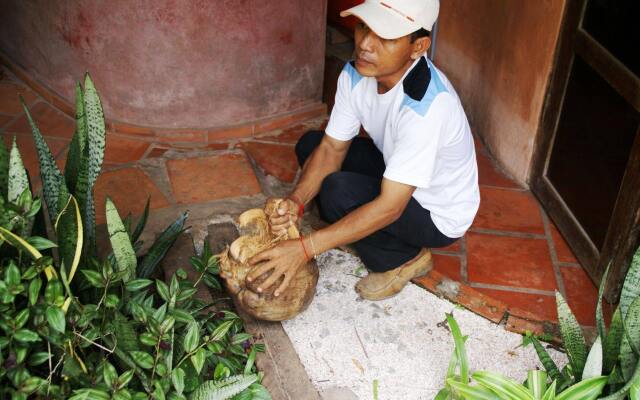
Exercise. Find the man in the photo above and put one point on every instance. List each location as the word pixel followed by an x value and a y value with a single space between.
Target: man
pixel 411 187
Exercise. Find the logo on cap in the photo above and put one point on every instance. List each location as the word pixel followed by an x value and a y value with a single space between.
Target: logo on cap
pixel 397 11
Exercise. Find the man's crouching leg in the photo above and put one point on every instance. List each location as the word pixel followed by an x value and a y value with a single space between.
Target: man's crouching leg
pixel 392 262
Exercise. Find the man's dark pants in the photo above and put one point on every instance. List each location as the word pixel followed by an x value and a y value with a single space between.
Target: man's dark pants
pixel 357 183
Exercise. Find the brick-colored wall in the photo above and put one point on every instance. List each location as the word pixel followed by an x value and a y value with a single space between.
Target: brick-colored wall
pixel 170 63
pixel 499 55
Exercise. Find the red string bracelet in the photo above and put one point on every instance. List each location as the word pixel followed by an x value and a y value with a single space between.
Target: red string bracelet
pixel 298 203
pixel 305 250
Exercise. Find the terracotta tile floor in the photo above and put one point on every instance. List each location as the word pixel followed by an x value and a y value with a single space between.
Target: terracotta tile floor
pixel 507 266
pixel 515 254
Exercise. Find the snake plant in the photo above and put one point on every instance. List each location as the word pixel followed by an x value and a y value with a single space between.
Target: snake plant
pixel 486 385
pixel 615 353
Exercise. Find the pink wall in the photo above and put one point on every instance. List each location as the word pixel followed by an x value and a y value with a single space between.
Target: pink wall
pixel 499 56
pixel 174 63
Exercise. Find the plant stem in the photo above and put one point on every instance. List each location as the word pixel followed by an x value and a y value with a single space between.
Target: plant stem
pixel 104 294
pixel 155 359
pixel 51 372
pixel 204 271
pixel 50 366
pixel 94 343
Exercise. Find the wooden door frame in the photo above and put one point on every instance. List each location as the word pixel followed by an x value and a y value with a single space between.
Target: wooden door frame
pixel 623 234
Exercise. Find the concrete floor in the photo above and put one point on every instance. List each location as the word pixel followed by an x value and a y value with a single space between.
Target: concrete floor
pixel 346 343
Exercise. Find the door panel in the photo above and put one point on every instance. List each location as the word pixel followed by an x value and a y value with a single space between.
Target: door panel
pixel 591 149
pixel 585 168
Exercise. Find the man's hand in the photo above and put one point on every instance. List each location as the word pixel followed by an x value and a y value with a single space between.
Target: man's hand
pixel 285 216
pixel 285 259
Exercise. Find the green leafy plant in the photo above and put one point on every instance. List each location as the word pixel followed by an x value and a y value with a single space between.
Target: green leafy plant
pixel 73 326
pixel 615 352
pixel 492 386
pixel 141 338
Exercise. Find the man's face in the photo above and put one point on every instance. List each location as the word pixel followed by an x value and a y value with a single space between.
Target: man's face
pixel 380 58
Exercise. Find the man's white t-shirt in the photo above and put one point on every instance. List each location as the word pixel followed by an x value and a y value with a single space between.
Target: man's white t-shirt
pixel 421 130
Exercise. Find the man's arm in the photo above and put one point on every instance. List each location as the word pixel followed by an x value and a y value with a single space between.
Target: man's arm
pixel 287 257
pixel 368 218
pixel 324 160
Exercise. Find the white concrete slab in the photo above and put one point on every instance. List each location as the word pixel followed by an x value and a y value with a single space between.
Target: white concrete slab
pixel 403 343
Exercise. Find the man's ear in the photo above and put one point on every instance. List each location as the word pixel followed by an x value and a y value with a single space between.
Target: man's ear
pixel 420 46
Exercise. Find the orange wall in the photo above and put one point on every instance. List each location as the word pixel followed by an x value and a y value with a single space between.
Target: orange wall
pixel 499 54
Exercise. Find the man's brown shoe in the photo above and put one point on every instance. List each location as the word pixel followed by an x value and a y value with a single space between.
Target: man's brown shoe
pixel 382 285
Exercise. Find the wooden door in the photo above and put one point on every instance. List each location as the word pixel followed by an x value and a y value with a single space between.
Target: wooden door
pixel 586 168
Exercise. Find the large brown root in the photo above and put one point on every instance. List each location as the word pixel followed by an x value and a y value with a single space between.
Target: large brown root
pixel 234 270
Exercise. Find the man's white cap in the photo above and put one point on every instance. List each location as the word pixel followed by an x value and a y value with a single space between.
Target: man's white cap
pixel 391 19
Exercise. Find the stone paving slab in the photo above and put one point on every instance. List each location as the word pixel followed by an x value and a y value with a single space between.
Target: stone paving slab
pixel 285 377
pixel 200 217
pixel 201 179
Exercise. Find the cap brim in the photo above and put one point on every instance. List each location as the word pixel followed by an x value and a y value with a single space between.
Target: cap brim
pixel 385 23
